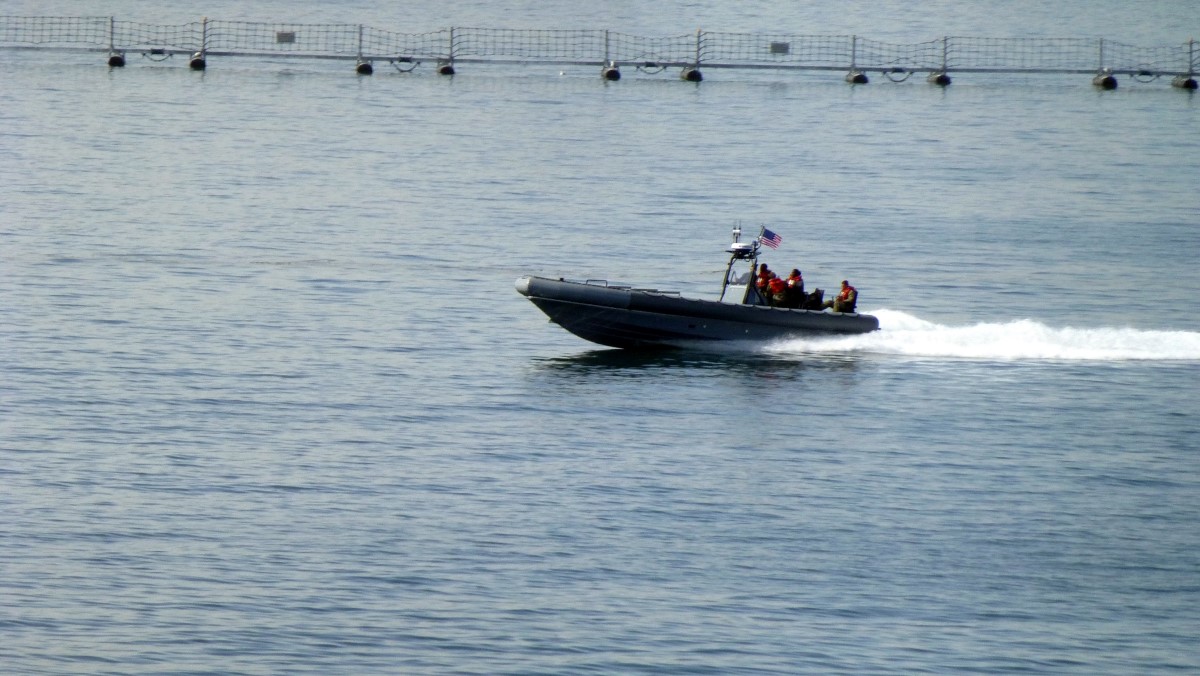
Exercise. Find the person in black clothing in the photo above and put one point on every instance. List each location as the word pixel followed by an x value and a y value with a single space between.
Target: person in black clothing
pixel 794 295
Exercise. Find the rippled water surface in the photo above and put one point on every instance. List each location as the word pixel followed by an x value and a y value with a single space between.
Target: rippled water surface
pixel 269 402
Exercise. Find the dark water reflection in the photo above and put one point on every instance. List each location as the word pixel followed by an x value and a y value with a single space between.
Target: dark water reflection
pixel 748 359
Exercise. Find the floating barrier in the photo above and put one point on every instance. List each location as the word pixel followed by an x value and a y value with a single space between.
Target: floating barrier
pixel 856 56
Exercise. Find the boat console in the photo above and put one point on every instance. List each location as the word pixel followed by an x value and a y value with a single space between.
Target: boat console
pixel 740 251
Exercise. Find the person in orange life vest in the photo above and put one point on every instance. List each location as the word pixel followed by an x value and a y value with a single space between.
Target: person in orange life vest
pixel 763 281
pixel 795 281
pixel 764 275
pixel 777 287
pixel 846 299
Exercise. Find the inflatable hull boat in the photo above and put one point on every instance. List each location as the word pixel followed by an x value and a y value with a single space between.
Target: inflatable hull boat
pixel 621 316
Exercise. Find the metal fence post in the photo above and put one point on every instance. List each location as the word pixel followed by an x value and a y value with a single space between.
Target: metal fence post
pixel 1188 81
pixel 446 66
pixel 692 73
pixel 115 59
pixel 941 78
pixel 199 60
pixel 855 76
pixel 609 70
pixel 1104 76
pixel 362 66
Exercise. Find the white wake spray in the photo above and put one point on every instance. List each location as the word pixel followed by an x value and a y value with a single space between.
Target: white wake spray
pixel 905 335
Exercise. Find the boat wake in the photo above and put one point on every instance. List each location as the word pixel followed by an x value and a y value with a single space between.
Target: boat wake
pixel 905 335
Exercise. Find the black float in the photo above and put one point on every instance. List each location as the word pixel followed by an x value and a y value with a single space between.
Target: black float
pixel 1184 82
pixel 1105 79
pixel 939 78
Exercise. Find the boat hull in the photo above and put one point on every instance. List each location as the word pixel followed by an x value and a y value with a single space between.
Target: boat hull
pixel 638 318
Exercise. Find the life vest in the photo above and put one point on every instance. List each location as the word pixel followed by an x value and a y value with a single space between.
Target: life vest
pixel 777 285
pixel 847 293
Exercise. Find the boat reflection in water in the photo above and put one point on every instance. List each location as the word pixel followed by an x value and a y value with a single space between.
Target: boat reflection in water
pixel 634 318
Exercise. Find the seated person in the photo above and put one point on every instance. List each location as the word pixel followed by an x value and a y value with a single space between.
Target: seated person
pixel 777 288
pixel 795 295
pixel 846 299
pixel 761 277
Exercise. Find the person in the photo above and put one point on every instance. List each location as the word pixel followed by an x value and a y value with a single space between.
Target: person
pixel 777 290
pixel 846 299
pixel 795 289
pixel 762 283
pixel 764 276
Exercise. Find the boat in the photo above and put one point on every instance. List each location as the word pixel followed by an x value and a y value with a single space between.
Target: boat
pixel 618 315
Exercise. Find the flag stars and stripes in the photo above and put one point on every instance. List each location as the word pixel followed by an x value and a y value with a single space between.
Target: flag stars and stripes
pixel 770 238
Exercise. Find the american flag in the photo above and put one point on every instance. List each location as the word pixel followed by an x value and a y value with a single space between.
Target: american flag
pixel 770 239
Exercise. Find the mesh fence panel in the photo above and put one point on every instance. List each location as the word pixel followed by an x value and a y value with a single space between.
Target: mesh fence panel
pixel 785 50
pixel 1023 54
pixel 434 45
pixel 1118 55
pixel 142 36
pixel 50 31
pixel 883 55
pixel 638 49
pixel 241 36
pixel 534 45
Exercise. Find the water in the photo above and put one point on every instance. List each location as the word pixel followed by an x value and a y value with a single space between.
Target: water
pixel 270 404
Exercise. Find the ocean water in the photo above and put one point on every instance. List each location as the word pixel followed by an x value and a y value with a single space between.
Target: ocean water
pixel 270 404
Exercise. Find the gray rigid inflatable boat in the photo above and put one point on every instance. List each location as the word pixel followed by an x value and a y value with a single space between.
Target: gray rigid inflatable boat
pixel 626 317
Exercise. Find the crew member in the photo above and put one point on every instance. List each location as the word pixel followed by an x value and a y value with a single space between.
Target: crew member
pixel 762 283
pixel 777 287
pixel 764 275
pixel 846 299
pixel 795 288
